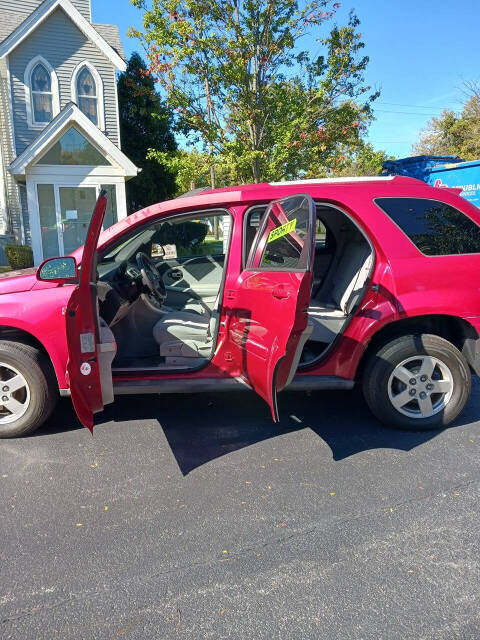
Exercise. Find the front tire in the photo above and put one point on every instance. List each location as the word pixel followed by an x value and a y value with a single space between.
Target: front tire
pixel 28 389
pixel 417 382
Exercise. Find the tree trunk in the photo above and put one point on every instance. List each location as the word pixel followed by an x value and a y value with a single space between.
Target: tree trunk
pixel 256 170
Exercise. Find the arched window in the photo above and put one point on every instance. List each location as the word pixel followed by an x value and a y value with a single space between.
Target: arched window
pixel 87 92
pixel 42 99
pixel 87 95
pixel 41 87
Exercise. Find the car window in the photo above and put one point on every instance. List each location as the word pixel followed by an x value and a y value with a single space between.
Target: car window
pixel 200 237
pixel 252 222
pixel 177 238
pixel 283 241
pixel 320 232
pixel 434 227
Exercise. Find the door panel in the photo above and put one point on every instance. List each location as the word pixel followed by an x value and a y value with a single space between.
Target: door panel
pixel 91 346
pixel 267 322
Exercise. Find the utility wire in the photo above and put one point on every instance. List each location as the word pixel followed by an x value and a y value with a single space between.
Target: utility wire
pixel 408 113
pixel 415 106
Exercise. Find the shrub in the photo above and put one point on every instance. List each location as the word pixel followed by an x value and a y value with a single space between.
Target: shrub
pixel 19 256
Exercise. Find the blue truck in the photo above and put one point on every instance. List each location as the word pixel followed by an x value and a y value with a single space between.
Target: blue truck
pixel 440 171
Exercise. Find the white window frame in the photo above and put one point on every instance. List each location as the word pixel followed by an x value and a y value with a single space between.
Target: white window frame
pixel 99 86
pixel 29 93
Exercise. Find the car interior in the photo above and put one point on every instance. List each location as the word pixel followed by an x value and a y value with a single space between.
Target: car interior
pixel 159 293
pixel 160 290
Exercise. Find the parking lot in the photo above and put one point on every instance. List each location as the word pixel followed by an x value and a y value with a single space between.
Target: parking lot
pixel 196 517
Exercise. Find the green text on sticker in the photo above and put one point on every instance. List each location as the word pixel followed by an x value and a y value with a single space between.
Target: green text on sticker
pixel 288 227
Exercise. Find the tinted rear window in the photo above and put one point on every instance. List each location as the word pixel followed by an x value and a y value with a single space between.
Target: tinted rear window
pixel 435 228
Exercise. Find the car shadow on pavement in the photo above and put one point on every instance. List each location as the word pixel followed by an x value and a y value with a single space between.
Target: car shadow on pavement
pixel 202 427
pixel 340 419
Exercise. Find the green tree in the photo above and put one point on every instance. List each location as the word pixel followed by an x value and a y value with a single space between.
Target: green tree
pixel 145 124
pixel 364 161
pixel 191 168
pixel 452 133
pixel 235 73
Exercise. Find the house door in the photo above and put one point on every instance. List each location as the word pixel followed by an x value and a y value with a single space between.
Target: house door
pixel 76 205
pixel 65 212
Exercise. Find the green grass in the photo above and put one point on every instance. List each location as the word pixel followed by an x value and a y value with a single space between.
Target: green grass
pixel 5 269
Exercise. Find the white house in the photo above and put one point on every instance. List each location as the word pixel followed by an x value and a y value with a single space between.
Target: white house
pixel 59 124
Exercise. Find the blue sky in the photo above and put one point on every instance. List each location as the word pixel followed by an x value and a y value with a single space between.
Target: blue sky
pixel 421 51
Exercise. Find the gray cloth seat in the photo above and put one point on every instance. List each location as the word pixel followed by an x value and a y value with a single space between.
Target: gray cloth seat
pixel 191 305
pixel 350 277
pixel 185 334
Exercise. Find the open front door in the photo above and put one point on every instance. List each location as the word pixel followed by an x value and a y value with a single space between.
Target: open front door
pixel 268 316
pixel 91 346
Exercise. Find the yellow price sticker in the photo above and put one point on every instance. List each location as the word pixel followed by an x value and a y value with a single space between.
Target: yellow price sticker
pixel 281 231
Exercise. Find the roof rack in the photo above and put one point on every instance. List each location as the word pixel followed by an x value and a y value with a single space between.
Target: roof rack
pixel 327 180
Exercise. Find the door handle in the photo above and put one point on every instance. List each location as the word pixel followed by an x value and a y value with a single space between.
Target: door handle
pixel 280 291
pixel 176 274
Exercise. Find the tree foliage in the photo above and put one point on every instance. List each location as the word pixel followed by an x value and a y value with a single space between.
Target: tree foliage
pixel 241 83
pixel 144 124
pixel 452 133
pixel 191 168
pixel 364 161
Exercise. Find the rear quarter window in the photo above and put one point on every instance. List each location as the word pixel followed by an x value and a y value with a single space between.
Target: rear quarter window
pixel 435 228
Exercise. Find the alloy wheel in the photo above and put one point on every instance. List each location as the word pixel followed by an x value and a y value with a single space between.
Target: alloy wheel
pixel 14 394
pixel 420 386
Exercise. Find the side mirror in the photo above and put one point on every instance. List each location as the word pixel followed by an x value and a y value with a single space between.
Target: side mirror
pixel 61 270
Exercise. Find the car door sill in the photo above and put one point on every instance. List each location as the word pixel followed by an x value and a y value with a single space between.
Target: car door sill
pixel 299 383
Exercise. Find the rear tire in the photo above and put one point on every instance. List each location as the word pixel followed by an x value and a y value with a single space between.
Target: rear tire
pixel 417 382
pixel 28 389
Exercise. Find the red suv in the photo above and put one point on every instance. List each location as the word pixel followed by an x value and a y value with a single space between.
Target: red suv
pixel 313 284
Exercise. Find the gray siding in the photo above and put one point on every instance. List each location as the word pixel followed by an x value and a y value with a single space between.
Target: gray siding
pixel 27 6
pixel 8 154
pixel 60 42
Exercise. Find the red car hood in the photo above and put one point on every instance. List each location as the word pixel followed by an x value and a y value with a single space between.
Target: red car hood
pixel 16 281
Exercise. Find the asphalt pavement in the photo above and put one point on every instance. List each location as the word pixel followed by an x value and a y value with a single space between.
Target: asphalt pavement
pixel 196 517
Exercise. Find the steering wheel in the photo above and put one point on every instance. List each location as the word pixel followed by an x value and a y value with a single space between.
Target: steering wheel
pixel 151 277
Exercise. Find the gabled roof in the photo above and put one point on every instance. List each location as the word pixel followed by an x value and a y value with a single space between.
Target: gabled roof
pixel 19 29
pixel 68 116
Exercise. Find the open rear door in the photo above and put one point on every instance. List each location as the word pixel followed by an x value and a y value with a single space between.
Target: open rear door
pixel 268 316
pixel 91 346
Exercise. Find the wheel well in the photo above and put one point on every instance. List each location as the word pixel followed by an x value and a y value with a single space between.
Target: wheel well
pixel 18 335
pixel 456 330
